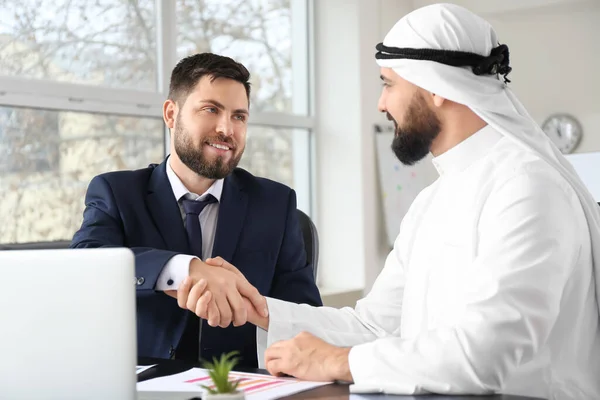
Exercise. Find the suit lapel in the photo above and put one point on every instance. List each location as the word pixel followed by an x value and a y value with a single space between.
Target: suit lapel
pixel 165 210
pixel 232 212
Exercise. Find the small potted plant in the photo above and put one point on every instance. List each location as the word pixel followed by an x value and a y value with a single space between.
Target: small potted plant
pixel 223 388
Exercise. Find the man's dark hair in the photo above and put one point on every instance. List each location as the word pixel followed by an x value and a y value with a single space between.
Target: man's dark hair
pixel 188 72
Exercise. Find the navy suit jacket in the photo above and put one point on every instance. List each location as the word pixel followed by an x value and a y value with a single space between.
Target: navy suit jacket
pixel 257 231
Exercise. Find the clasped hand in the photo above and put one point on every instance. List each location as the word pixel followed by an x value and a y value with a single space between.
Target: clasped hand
pixel 217 292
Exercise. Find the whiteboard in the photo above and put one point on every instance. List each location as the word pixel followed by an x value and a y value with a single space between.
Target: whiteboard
pixel 587 166
pixel 399 184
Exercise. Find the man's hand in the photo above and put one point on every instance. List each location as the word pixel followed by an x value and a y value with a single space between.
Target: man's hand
pixel 260 319
pixel 217 294
pixel 310 358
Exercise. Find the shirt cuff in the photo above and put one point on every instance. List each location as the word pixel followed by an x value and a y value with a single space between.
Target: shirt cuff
pixel 174 272
pixel 368 378
pixel 277 329
pixel 365 377
pixel 360 369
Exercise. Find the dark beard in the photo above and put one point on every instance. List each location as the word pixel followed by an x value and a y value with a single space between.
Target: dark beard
pixel 194 158
pixel 412 141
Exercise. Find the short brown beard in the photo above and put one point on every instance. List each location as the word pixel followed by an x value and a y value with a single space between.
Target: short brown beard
pixel 194 158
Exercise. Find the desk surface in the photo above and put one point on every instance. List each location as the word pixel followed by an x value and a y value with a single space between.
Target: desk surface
pixel 330 392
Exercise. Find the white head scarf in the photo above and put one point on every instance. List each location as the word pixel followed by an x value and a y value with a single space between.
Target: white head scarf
pixel 451 27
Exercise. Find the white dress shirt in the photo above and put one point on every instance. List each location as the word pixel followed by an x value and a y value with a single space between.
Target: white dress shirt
pixel 489 287
pixel 177 268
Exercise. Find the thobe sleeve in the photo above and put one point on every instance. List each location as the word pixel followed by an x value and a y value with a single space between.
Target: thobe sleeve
pixel 375 316
pixel 528 243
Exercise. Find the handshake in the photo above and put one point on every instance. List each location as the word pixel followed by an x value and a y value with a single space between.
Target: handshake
pixel 216 291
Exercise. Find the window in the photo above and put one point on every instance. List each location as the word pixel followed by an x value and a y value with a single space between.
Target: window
pixel 278 154
pixel 28 141
pixel 258 32
pixel 38 203
pixel 82 85
pixel 102 42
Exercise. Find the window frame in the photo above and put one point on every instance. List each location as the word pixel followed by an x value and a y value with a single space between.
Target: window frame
pixel 63 96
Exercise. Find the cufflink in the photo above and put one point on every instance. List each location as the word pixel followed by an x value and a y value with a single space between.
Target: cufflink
pixel 170 282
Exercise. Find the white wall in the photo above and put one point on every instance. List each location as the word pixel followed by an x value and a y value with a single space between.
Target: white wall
pixel 348 215
pixel 339 216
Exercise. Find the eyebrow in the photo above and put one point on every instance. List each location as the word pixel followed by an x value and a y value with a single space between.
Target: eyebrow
pixel 383 78
pixel 222 107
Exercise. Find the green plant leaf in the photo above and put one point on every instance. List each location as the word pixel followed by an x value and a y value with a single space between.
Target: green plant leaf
pixel 210 390
pixel 219 370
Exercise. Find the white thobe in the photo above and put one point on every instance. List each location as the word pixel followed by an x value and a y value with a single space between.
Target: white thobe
pixel 489 287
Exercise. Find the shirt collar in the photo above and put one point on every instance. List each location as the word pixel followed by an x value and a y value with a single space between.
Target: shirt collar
pixel 461 156
pixel 179 189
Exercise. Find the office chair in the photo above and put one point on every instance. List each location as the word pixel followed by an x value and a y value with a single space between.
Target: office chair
pixel 311 240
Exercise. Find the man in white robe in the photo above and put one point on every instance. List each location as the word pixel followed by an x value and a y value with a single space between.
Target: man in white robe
pixel 492 285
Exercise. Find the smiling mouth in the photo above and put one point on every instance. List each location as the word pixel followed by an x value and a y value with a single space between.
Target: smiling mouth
pixel 219 146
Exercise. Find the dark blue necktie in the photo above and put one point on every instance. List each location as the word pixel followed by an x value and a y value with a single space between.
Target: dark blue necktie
pixel 192 209
pixel 189 344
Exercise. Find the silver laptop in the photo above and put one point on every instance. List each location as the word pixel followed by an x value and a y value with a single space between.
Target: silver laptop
pixel 67 324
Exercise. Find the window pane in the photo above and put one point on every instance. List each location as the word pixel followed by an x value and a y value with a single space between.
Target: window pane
pixel 47 159
pixel 270 153
pixel 100 42
pixel 257 33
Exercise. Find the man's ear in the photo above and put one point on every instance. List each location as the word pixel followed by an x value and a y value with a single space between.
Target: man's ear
pixel 170 111
pixel 438 101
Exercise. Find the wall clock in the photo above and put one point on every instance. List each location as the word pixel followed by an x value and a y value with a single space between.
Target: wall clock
pixel 564 130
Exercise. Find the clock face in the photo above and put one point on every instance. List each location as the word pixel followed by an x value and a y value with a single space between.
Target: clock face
pixel 564 131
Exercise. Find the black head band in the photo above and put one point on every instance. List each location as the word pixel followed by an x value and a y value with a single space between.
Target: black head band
pixel 496 63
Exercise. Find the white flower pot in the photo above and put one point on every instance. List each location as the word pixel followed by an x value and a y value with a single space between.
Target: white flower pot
pixel 224 396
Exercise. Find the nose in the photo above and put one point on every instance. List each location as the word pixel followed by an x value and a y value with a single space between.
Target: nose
pixel 381 102
pixel 224 125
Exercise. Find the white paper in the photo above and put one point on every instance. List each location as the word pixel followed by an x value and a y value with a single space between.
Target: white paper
pixel 255 386
pixel 141 368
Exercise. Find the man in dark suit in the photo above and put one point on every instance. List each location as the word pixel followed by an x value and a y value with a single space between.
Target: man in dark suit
pixel 195 205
